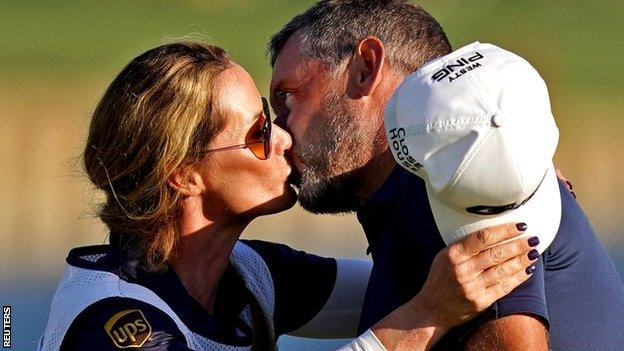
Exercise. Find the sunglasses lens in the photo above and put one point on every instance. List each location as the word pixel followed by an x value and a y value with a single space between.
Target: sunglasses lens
pixel 258 150
pixel 262 148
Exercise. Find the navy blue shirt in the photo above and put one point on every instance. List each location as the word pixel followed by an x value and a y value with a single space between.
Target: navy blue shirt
pixel 575 290
pixel 302 283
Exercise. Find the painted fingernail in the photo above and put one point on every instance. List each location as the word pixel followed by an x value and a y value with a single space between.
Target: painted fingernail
pixel 533 241
pixel 573 194
pixel 569 185
pixel 530 270
pixel 521 226
pixel 533 255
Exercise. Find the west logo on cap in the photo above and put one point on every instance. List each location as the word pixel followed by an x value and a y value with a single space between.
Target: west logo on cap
pixel 468 141
pixel 128 328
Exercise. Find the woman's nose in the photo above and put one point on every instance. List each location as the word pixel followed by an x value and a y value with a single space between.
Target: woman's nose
pixel 282 140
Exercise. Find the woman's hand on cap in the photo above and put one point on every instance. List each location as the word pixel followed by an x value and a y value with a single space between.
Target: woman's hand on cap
pixel 471 274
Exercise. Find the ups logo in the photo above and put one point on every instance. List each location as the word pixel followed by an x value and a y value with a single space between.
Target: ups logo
pixel 128 328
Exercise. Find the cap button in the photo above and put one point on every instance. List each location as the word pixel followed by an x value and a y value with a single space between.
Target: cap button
pixel 497 120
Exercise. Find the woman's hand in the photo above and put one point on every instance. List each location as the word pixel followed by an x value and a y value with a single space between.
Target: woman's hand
pixel 464 280
pixel 468 276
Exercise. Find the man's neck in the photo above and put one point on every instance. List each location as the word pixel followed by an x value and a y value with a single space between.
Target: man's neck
pixel 374 175
pixel 377 171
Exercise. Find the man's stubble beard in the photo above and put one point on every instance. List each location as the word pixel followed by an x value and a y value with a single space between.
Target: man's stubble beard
pixel 334 156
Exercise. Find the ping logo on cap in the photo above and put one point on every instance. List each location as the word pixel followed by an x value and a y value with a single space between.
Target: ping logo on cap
pixel 459 67
pixel 128 328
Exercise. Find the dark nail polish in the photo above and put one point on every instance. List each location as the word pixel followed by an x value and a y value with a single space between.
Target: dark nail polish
pixel 533 241
pixel 530 270
pixel 521 226
pixel 573 194
pixel 569 185
pixel 533 255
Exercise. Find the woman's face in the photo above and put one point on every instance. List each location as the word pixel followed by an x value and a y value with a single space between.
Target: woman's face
pixel 236 181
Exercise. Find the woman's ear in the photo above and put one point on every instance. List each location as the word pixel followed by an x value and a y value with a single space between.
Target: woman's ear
pixel 365 68
pixel 186 180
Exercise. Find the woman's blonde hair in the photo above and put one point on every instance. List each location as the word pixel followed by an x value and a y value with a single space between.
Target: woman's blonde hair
pixel 152 119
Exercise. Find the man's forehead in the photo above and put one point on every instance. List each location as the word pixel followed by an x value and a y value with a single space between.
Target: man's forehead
pixel 292 64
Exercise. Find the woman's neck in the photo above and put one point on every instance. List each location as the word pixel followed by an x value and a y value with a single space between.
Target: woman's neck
pixel 203 254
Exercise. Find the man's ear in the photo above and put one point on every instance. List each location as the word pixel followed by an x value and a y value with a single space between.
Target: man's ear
pixel 186 180
pixel 365 68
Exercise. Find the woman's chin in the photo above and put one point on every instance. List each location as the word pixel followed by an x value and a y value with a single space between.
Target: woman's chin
pixel 282 202
pixel 286 200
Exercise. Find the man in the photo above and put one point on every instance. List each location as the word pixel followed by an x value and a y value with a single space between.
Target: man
pixel 334 69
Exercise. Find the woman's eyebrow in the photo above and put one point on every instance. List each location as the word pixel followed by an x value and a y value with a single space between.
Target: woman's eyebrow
pixel 257 116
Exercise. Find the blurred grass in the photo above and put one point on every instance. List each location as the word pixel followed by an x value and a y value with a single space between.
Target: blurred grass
pixel 80 40
pixel 579 45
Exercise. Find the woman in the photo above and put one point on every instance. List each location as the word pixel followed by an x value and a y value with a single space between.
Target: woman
pixel 183 147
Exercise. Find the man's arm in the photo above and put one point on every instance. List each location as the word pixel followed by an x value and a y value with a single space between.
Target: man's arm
pixel 340 316
pixel 513 333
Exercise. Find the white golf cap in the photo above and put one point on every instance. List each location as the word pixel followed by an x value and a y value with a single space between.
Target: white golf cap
pixel 477 126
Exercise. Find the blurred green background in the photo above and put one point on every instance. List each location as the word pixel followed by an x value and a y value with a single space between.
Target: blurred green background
pixel 57 57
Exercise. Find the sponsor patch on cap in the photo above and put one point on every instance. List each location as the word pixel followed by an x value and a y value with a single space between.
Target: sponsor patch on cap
pixel 128 328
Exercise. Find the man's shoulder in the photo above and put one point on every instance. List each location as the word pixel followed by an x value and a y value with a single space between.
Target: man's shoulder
pixel 400 209
pixel 575 235
pixel 283 260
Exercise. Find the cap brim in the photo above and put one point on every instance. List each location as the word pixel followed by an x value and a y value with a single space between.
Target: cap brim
pixel 542 214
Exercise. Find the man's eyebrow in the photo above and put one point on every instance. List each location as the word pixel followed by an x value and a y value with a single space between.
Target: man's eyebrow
pixel 290 78
pixel 277 86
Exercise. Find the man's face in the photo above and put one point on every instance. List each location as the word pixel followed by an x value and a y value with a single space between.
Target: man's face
pixel 333 136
